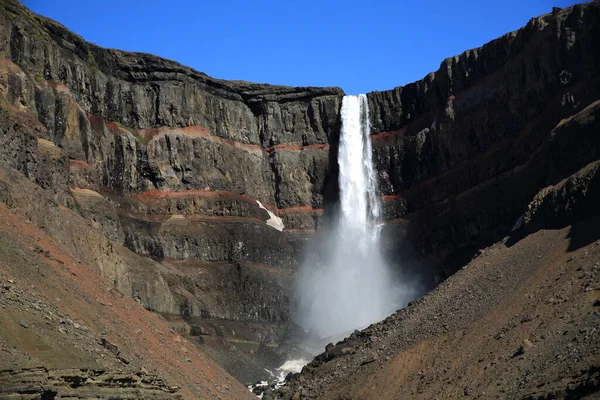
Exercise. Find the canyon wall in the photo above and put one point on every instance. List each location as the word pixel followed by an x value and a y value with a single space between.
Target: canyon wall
pixel 170 163
pixel 462 152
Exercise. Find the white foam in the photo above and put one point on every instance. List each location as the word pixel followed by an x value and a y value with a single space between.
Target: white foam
pixel 294 366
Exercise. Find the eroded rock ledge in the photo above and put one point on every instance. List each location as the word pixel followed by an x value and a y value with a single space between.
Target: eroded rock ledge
pixel 82 384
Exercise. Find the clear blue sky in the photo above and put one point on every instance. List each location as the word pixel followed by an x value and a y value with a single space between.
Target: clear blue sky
pixel 360 46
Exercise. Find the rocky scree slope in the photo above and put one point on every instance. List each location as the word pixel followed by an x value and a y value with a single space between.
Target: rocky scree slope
pixel 68 332
pixel 519 321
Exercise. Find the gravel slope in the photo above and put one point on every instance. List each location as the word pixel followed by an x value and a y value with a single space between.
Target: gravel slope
pixel 519 321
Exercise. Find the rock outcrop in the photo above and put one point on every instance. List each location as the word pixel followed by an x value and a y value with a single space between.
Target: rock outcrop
pixel 81 384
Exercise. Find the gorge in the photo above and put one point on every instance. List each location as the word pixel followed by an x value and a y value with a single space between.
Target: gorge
pixel 155 223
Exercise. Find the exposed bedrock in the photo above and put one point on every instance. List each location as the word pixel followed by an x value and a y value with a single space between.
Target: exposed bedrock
pixel 462 152
pixel 183 169
pixel 81 384
pixel 172 164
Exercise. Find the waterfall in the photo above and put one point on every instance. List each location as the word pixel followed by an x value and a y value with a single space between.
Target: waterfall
pixel 347 285
pixel 360 209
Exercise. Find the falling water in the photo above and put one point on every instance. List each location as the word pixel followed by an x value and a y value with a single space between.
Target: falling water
pixel 351 286
pixel 358 187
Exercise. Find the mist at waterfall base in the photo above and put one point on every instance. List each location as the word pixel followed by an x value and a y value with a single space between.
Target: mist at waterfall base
pixel 344 283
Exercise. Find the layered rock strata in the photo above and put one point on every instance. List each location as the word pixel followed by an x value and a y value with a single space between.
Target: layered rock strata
pixel 180 176
pixel 170 162
pixel 461 152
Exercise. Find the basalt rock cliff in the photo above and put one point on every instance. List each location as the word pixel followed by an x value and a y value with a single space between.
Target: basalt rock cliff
pixel 196 197
pixel 462 152
pixel 172 164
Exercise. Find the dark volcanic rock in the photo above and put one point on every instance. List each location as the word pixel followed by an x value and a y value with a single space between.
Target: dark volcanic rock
pixel 171 162
pixel 461 152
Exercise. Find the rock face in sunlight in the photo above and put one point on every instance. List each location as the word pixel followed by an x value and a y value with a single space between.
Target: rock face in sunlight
pixel 186 168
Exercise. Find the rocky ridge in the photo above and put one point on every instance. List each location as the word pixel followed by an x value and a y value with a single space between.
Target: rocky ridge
pixel 80 384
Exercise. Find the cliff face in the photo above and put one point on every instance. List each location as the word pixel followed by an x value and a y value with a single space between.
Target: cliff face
pixel 185 180
pixel 171 162
pixel 462 152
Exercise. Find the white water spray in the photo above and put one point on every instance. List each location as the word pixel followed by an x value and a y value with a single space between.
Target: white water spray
pixel 351 286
